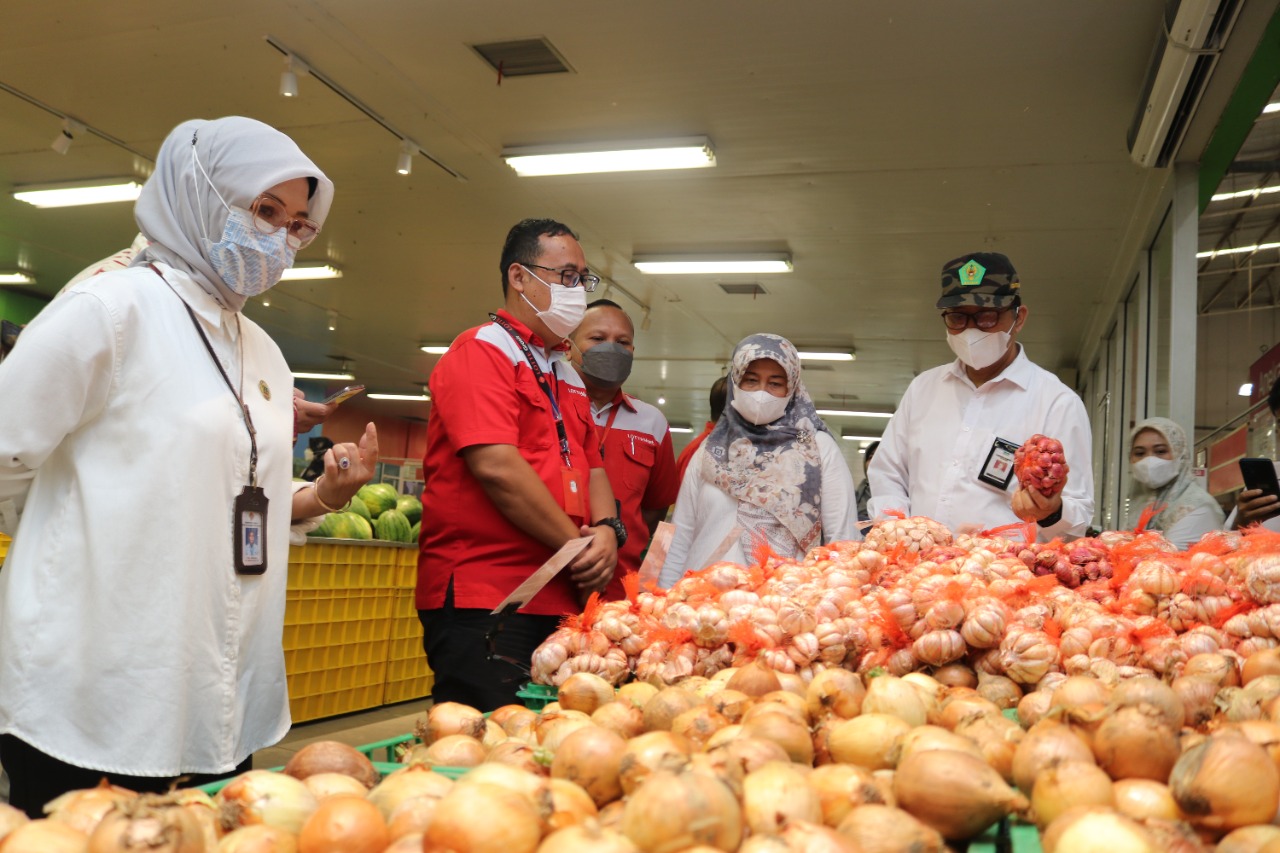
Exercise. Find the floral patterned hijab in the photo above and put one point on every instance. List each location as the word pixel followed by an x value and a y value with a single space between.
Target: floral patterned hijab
pixel 1180 495
pixel 774 470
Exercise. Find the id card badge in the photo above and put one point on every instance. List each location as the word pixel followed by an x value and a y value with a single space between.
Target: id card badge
pixel 575 490
pixel 998 469
pixel 251 531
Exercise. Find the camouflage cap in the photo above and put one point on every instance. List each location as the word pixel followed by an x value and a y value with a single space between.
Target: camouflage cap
pixel 983 279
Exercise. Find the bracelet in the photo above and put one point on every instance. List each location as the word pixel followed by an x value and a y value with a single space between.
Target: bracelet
pixel 315 490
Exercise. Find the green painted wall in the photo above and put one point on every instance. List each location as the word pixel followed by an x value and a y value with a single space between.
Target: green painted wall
pixel 19 307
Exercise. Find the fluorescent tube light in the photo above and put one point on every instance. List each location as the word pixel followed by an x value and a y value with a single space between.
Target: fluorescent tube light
pixel 1256 191
pixel 1246 390
pixel 592 158
pixel 307 271
pixel 344 376
pixel 680 429
pixel 846 413
pixel 415 397
pixel 866 438
pixel 80 192
pixel 835 355
pixel 434 349
pixel 16 278
pixel 1272 108
pixel 1257 247
pixel 711 264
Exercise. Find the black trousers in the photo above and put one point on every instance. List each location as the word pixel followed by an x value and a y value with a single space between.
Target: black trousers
pixel 36 778
pixel 466 650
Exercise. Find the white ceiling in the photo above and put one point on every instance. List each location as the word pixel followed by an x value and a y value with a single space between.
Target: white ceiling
pixel 871 140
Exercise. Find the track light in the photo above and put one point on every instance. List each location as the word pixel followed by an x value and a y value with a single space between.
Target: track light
pixel 333 321
pixel 404 165
pixel 288 79
pixel 70 129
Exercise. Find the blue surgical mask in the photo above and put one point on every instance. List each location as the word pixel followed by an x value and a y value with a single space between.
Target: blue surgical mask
pixel 248 261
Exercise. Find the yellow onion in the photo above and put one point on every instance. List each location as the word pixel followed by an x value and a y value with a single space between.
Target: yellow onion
pixel 775 794
pixel 536 789
pixel 261 796
pixel 516 754
pixel 802 836
pixel 665 706
pixel 1215 665
pixel 483 818
pixel 1264 733
pixel 45 836
pixel 867 740
pixel 261 839
pixel 1226 782
pixel 148 822
pixel 997 738
pixel 1196 694
pixel 698 724
pixel 796 703
pixel 412 817
pixel 555 735
pixel 518 720
pixel 1249 839
pixel 955 675
pixel 926 738
pixel 592 758
pixel 841 788
pixel 792 683
pixel 638 693
pixel 1045 743
pixel 1152 691
pixel 1134 743
pixel 953 792
pixel 1142 799
pixel 83 809
pixel 586 837
pixel 623 718
pixel 1096 829
pixel 650 752
pixel 673 811
pixel 1066 785
pixel 610 817
pixel 722 737
pixel 1000 691
pixel 325 785
pixel 503 713
pixel 584 691
pixel 330 756
pixel 754 679
pixel 404 844
pixel 1033 706
pixel 345 824
pixel 1260 663
pixel 449 751
pixel 450 718
pixel 885 829
pixel 835 692
pixel 570 805
pixel 733 761
pixel 888 694
pixel 413 781
pixel 785 731
pixel 549 720
pixel 1080 690
pixel 1174 836
pixel 958 706
pixel 730 704
pixel 493 735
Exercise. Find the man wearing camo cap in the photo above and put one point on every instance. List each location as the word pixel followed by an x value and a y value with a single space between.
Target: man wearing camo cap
pixel 947 453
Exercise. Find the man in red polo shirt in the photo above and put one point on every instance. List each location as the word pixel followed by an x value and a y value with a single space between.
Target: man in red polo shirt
pixel 634 435
pixel 719 394
pixel 513 472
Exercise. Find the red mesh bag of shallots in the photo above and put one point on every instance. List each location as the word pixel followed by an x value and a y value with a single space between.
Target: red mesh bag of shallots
pixel 1041 465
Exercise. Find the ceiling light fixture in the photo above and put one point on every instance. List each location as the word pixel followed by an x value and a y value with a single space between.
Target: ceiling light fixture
pixel 866 438
pixel 415 397
pixel 308 270
pixel 691 152
pixel 404 163
pixel 343 376
pixel 84 128
pixel 1272 108
pixel 828 355
pixel 333 320
pixel 712 264
pixel 679 429
pixel 434 349
pixel 1253 193
pixel 1246 390
pixel 79 192
pixel 70 130
pixel 846 413
pixel 662 401
pixel 288 77
pixel 1257 247
pixel 16 278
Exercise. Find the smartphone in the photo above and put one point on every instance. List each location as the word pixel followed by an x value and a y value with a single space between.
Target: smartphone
pixel 1260 474
pixel 343 395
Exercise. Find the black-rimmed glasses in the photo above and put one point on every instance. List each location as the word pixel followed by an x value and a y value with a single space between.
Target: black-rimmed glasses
pixel 571 277
pixel 985 320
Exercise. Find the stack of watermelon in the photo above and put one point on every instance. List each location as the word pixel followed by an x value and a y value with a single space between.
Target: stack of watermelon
pixel 376 512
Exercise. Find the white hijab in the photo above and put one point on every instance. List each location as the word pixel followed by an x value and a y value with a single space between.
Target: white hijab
pixel 178 209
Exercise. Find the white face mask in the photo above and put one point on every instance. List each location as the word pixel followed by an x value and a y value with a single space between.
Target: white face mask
pixel 568 307
pixel 979 349
pixel 1154 472
pixel 759 407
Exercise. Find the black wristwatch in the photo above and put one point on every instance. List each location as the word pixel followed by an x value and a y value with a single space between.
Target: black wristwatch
pixel 619 529
pixel 1050 520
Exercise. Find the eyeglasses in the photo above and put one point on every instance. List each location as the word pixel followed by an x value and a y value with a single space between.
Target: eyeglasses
pixel 986 319
pixel 269 216
pixel 571 277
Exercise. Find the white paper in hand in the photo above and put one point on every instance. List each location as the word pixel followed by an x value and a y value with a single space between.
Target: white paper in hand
pixel 533 584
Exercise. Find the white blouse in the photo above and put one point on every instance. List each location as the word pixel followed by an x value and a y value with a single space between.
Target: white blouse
pixel 127 641
pixel 705 514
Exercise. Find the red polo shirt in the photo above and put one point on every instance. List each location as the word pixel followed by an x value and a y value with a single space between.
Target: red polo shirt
pixel 484 392
pixel 685 455
pixel 642 471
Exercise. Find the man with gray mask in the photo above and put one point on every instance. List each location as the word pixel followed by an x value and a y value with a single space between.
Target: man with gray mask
pixel 634 437
pixel 947 452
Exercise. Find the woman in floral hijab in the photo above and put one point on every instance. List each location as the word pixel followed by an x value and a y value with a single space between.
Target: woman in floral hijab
pixel 770 472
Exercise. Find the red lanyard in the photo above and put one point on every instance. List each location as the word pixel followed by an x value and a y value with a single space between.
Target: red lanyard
pixel 613 413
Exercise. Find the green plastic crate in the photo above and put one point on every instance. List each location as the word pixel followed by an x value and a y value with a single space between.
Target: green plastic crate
pixel 537 696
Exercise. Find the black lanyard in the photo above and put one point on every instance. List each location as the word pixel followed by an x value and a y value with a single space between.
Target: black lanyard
pixel 541 376
pixel 248 420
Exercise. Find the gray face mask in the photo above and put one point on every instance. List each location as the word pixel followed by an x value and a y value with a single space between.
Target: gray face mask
pixel 607 363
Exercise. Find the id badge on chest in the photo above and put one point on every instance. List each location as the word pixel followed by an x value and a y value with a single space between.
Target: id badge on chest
pixel 575 490
pixel 997 470
pixel 251 531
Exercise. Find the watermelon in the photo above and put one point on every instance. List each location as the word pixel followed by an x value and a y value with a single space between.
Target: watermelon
pixel 392 526
pixel 326 526
pixel 411 507
pixel 348 525
pixel 415 532
pixel 360 508
pixel 378 497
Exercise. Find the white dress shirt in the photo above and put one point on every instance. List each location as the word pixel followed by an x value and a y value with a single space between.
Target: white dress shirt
pixel 705 514
pixel 937 442
pixel 127 641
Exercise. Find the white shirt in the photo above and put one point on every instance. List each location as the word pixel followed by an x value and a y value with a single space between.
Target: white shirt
pixel 937 442
pixel 705 514
pixel 127 641
pixel 1187 530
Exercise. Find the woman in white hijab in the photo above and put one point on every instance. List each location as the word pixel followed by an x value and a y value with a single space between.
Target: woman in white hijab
pixel 145 475
pixel 1160 469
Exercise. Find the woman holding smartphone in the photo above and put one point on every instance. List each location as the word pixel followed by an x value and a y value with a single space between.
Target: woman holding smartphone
pixel 1161 478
